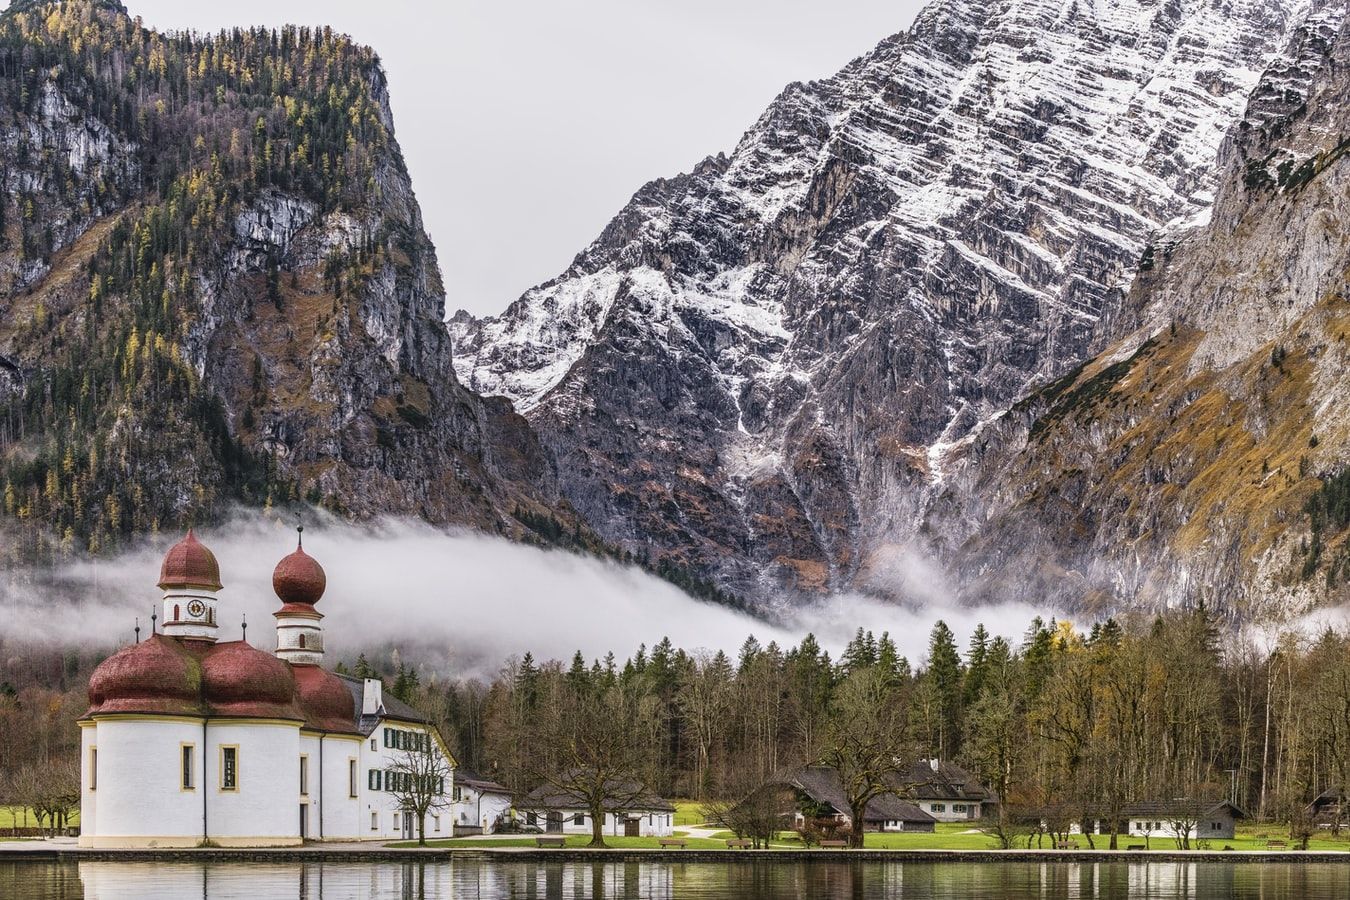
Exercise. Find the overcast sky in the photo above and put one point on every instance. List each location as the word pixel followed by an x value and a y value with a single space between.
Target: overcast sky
pixel 528 124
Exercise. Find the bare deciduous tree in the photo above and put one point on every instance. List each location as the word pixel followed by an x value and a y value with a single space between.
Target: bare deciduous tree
pixel 420 780
pixel 865 742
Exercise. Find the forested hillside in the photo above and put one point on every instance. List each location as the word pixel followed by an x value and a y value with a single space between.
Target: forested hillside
pixel 215 287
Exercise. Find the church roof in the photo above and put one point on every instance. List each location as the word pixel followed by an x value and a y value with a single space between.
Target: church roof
pixel 299 579
pixel 190 564
pixel 163 675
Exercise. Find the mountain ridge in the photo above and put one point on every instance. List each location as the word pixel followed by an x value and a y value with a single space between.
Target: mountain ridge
pixel 761 368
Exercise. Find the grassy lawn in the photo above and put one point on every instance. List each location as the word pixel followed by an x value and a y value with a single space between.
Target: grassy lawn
pixel 688 812
pixel 12 815
pixel 573 840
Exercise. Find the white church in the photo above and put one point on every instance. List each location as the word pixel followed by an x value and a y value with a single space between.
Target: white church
pixel 190 740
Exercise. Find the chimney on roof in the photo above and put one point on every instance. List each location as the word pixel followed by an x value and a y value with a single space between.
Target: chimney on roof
pixel 372 698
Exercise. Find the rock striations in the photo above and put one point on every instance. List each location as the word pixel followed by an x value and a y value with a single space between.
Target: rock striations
pixel 216 287
pixel 1202 456
pixel 1050 294
pixel 772 368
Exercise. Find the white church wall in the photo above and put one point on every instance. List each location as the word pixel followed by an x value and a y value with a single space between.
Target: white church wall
pixel 340 810
pixel 139 796
pixel 265 807
pixel 88 798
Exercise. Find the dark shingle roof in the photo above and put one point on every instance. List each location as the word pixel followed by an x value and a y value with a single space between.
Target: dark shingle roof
pixel 1181 806
pixel 394 708
pixel 548 796
pixel 945 781
pixel 822 784
pixel 482 785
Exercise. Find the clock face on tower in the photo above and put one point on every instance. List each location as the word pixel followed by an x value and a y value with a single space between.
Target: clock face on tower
pixel 196 608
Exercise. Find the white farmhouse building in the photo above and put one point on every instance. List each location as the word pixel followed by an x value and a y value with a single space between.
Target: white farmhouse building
pixel 946 791
pixel 481 804
pixel 1196 820
pixel 633 812
pixel 191 740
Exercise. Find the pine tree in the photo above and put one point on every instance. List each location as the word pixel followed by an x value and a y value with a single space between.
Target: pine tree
pixel 977 664
pixel 363 668
pixel 944 672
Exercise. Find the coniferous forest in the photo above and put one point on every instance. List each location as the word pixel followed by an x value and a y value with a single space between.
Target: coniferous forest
pixel 1063 723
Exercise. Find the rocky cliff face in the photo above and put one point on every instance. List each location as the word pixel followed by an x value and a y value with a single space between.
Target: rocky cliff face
pixel 768 368
pixel 216 287
pixel 1194 460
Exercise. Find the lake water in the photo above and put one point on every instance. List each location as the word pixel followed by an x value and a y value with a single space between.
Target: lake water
pixel 472 879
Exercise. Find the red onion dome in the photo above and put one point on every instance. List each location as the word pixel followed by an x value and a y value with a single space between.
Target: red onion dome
pixel 327 702
pixel 158 676
pixel 190 564
pixel 238 679
pixel 299 578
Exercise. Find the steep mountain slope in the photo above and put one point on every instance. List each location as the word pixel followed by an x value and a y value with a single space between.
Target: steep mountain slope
pixel 1203 456
pixel 215 286
pixel 760 368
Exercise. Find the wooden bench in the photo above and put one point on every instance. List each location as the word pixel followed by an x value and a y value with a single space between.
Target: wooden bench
pixel 550 840
pixel 1067 845
pixel 834 845
pixel 1277 845
pixel 1135 847
pixel 673 842
pixel 741 844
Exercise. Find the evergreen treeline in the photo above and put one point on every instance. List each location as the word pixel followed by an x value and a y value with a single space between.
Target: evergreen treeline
pixel 1063 722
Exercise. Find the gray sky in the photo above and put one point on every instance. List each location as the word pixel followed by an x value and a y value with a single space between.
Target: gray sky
pixel 528 124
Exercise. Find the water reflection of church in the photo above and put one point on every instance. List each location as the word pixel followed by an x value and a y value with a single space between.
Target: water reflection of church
pixel 461 880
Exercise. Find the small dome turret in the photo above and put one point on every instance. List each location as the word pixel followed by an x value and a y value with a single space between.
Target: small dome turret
pixel 299 578
pixel 190 564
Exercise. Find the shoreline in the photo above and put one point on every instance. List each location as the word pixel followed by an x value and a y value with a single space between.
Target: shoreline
pixel 12 851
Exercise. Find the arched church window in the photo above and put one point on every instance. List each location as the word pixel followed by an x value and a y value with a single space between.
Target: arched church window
pixel 175 612
pixel 302 642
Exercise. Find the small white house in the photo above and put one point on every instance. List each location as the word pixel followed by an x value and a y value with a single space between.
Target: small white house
pixel 1195 820
pixel 631 812
pixel 480 804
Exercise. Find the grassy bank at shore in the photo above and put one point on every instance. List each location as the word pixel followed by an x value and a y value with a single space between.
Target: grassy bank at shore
pixel 948 836
pixel 13 816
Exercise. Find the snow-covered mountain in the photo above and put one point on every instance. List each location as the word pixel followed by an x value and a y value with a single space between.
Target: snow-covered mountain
pixel 760 369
